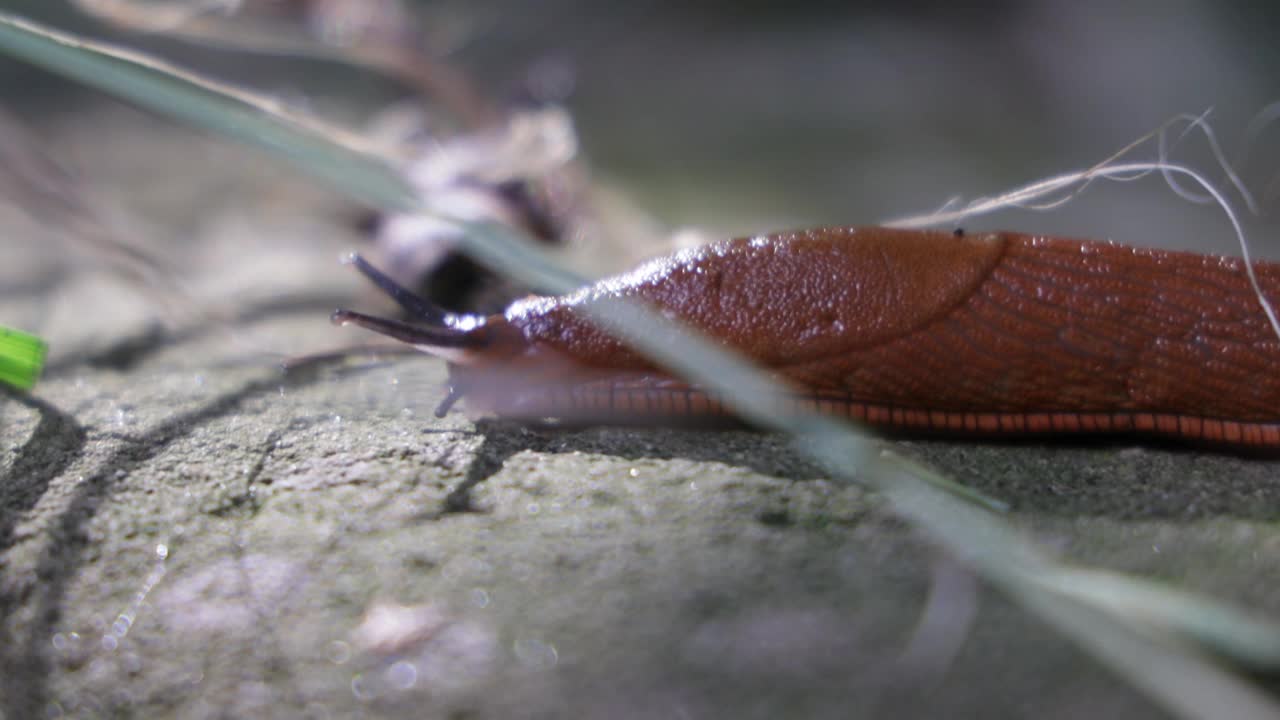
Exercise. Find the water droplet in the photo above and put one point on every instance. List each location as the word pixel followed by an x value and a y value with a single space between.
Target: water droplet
pixel 339 652
pixel 402 675
pixel 360 688
pixel 536 653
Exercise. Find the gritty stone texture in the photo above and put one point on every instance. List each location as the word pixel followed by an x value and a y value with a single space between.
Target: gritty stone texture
pixel 188 531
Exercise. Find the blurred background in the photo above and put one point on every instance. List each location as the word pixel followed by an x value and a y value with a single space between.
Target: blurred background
pixel 739 117
pixel 610 132
pixel 673 124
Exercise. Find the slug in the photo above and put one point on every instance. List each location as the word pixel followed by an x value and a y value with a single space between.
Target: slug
pixel 980 333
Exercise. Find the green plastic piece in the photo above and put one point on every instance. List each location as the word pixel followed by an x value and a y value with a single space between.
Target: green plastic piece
pixel 21 358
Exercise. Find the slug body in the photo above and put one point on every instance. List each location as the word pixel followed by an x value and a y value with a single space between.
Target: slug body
pixel 997 333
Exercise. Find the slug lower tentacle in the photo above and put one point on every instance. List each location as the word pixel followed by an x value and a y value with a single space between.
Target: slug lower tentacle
pixel 996 333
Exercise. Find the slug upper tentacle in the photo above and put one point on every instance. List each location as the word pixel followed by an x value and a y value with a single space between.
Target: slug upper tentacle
pixel 417 307
pixel 980 333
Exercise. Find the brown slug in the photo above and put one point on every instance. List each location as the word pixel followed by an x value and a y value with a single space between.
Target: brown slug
pixel 986 333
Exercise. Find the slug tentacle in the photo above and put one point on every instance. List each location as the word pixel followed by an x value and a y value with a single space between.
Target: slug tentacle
pixel 452 336
pixel 428 338
pixel 473 345
pixel 417 306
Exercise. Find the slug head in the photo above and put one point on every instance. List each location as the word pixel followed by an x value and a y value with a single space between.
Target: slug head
pixel 490 360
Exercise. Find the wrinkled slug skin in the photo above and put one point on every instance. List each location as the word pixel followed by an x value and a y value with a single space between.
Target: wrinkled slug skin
pixel 991 332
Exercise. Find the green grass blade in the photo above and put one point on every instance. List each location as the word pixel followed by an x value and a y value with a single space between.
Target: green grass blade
pixel 344 160
pixel 21 358
pixel 1242 637
pixel 1178 679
